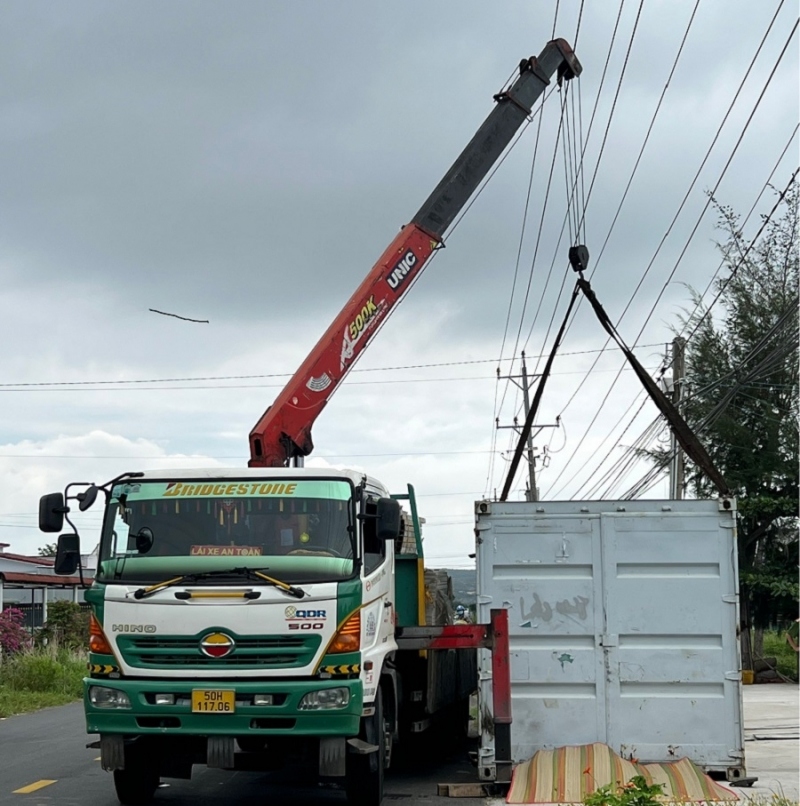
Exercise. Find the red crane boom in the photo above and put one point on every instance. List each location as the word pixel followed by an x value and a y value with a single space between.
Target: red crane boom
pixel 283 433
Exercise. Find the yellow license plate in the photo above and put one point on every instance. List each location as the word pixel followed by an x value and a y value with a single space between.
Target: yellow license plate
pixel 213 701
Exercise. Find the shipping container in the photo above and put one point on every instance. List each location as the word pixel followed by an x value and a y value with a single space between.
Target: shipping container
pixel 623 626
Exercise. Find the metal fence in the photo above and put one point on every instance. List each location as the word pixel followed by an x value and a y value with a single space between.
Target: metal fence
pixel 34 612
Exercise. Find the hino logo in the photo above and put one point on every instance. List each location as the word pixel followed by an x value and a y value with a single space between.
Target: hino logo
pixel 148 628
pixel 399 273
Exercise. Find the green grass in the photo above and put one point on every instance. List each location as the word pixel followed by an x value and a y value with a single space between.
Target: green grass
pixel 22 702
pixel 776 646
pixel 39 679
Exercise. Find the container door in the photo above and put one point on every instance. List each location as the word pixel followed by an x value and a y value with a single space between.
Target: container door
pixel 547 573
pixel 670 636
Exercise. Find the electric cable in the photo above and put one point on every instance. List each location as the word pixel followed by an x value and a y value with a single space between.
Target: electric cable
pixel 694 230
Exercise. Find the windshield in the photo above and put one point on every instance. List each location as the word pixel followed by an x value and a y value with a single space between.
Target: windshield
pixel 301 530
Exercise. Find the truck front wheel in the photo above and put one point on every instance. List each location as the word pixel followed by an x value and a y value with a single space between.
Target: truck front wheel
pixel 364 774
pixel 137 783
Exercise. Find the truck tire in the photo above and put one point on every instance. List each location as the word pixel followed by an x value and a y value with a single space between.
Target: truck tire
pixel 137 783
pixel 364 774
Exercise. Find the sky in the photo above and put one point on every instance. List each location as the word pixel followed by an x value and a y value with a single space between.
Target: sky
pixel 247 163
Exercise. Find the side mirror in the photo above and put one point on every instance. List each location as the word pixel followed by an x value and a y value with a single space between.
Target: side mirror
pixel 68 554
pixel 388 526
pixel 87 498
pixel 144 540
pixel 51 512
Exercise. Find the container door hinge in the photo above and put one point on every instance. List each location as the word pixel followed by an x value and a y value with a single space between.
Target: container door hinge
pixel 731 598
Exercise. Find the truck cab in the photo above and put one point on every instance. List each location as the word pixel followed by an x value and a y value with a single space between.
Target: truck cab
pixel 240 615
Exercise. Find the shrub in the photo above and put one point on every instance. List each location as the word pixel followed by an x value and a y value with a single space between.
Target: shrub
pixel 13 636
pixel 45 670
pixel 637 792
pixel 67 626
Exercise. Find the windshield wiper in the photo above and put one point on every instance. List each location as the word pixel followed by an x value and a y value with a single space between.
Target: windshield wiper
pixel 247 573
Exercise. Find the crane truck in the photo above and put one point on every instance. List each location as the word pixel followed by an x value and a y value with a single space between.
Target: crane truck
pixel 243 617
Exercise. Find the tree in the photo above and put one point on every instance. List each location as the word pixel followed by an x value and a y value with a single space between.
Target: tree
pixel 47 550
pixel 741 397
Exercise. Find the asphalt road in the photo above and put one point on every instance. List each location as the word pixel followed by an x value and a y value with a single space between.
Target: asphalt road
pixel 44 760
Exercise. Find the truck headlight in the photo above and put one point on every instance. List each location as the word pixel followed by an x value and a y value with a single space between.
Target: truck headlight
pixel 326 699
pixel 102 697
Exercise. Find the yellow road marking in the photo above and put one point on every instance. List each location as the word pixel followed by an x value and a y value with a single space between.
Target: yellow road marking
pixel 26 790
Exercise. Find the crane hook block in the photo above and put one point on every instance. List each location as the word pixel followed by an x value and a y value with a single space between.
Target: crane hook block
pixel 578 258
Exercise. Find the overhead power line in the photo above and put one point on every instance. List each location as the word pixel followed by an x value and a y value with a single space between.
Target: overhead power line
pixel 696 226
pixel 193 379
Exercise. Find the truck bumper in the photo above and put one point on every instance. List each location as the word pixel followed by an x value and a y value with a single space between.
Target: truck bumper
pixel 282 718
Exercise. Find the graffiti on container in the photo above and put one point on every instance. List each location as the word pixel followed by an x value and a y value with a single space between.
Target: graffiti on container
pixel 544 610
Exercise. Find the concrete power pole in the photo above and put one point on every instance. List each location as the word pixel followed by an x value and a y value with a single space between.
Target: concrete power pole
pixel 676 468
pixel 532 493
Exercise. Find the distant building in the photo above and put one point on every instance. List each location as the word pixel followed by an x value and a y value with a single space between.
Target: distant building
pixel 30 583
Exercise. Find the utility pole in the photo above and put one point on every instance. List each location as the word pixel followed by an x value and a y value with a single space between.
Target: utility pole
pixel 676 468
pixel 532 493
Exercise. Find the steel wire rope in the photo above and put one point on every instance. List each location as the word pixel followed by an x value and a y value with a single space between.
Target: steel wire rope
pixel 613 106
pixel 569 172
pixel 694 229
pixel 570 194
pixel 583 152
pixel 585 201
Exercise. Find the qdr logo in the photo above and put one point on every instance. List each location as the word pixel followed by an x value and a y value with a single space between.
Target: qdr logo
pixel 293 613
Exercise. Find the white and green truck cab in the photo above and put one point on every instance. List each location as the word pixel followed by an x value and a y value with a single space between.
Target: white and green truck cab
pixel 244 616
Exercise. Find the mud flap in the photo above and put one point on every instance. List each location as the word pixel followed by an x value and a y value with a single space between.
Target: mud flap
pixel 220 751
pixel 112 752
pixel 332 751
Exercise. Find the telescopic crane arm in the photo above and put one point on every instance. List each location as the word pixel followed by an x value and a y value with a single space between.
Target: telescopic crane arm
pixel 283 434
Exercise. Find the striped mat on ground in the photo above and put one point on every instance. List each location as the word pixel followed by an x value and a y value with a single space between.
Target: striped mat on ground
pixel 568 774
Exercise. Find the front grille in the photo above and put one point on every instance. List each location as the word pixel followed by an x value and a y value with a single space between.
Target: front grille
pixel 169 652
